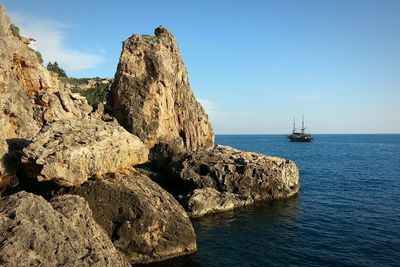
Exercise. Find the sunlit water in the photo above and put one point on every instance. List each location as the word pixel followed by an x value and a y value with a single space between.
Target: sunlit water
pixel 347 211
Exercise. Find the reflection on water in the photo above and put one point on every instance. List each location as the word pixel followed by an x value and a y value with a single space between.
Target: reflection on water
pixel 259 232
pixel 346 214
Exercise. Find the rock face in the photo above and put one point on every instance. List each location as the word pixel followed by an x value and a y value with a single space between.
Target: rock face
pixel 209 200
pixel 30 96
pixel 71 151
pixel 151 95
pixel 144 222
pixel 229 178
pixel 37 233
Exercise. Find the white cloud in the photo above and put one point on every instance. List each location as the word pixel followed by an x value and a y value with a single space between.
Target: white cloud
pixel 49 37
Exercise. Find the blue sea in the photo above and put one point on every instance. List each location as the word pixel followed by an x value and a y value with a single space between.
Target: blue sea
pixel 347 212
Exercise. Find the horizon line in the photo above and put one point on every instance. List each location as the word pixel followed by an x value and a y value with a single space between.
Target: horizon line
pixel 313 133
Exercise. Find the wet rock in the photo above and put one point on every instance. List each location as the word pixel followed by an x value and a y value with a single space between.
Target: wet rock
pixel 151 94
pixel 144 221
pixel 71 151
pixel 37 233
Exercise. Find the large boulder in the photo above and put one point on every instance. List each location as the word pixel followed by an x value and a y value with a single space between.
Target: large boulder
pixel 144 221
pixel 223 178
pixel 61 233
pixel 151 94
pixel 71 151
pixel 30 95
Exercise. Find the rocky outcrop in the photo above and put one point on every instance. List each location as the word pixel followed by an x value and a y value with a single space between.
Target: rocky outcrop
pixel 144 222
pixel 151 94
pixel 223 178
pixel 209 200
pixel 30 96
pixel 71 151
pixel 113 215
pixel 37 233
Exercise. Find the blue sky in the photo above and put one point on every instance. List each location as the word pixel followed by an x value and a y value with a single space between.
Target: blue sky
pixel 252 64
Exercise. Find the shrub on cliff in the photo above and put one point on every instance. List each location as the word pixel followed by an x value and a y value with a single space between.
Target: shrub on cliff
pixel 57 69
pixel 15 31
pixel 94 95
pixel 39 56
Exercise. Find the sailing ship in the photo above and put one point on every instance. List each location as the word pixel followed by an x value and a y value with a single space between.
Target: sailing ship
pixel 301 136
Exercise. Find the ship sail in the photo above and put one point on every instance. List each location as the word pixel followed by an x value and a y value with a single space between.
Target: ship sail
pixel 301 136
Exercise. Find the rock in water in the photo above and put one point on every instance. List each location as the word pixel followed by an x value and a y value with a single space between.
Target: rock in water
pixel 63 233
pixel 30 95
pixel 71 151
pixel 209 200
pixel 223 178
pixel 144 221
pixel 151 95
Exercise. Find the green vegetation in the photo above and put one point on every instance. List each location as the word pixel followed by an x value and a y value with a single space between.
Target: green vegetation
pixel 15 31
pixel 57 69
pixel 148 39
pixel 100 92
pixel 39 56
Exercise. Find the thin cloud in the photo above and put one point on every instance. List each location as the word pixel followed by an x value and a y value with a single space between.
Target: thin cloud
pixel 209 106
pixel 308 97
pixel 49 37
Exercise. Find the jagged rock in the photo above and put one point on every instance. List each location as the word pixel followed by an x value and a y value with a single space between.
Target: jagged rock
pixel 238 178
pixel 144 221
pixel 35 233
pixel 71 151
pixel 151 94
pixel 30 95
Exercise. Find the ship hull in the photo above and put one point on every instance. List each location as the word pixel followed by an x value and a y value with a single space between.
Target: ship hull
pixel 300 138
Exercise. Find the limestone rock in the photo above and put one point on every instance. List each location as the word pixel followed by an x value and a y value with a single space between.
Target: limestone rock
pixel 239 178
pixel 30 95
pixel 71 151
pixel 151 94
pixel 35 233
pixel 209 200
pixel 144 221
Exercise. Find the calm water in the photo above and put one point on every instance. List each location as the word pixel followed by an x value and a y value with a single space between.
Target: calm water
pixel 347 212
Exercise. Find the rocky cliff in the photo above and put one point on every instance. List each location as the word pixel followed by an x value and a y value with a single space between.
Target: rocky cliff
pixel 99 207
pixel 51 144
pixel 151 94
pixel 30 96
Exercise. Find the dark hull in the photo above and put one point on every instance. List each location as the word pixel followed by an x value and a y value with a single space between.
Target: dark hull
pixel 300 138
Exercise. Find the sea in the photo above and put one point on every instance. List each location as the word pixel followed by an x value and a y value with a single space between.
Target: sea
pixel 347 212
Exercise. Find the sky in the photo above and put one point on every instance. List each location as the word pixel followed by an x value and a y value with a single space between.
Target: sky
pixel 253 65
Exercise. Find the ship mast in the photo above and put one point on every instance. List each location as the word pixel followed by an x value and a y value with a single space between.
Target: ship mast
pixel 302 126
pixel 294 124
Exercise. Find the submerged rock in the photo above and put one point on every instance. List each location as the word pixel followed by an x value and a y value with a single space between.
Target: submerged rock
pixel 71 151
pixel 223 178
pixel 144 221
pixel 151 94
pixel 63 232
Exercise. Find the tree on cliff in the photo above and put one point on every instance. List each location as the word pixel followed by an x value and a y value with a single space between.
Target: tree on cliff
pixel 57 69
